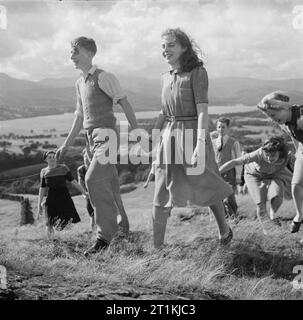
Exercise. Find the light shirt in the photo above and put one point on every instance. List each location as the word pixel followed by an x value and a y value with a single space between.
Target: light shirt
pixel 256 165
pixel 108 83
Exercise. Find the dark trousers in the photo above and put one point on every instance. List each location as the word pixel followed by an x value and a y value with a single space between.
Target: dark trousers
pixel 230 205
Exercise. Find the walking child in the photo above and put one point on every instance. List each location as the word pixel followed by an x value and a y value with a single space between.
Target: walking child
pixel 59 206
pixel 276 106
pixel 227 148
pixel 267 175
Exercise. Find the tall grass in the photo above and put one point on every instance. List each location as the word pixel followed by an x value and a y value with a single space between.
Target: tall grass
pixel 191 265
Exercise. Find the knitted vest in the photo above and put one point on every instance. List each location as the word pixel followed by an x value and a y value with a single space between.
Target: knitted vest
pixel 223 156
pixel 97 105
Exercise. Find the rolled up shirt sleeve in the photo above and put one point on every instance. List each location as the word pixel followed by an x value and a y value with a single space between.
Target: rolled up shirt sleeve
pixel 79 107
pixel 111 86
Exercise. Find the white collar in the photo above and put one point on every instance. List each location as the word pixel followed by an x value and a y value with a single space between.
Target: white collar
pixel 90 71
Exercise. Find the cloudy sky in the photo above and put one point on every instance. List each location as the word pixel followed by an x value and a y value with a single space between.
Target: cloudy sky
pixel 250 38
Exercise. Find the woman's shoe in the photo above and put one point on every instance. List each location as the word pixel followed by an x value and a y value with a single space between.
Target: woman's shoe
pixel 295 226
pixel 224 241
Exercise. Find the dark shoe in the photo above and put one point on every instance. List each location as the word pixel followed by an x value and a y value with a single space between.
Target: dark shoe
pixel 99 245
pixel 295 226
pixel 235 219
pixel 227 239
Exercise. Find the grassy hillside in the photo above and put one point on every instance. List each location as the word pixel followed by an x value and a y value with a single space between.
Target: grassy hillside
pixel 31 170
pixel 189 266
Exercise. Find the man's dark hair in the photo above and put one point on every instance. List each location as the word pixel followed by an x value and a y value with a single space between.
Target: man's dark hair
pixel 86 43
pixel 276 144
pixel 224 120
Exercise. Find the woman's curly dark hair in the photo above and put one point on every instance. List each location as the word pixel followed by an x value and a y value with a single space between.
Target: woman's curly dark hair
pixel 190 58
pixel 276 144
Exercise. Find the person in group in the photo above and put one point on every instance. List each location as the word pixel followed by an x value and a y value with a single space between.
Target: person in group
pixel 267 175
pixel 59 206
pixel 81 172
pixel 185 109
pixel 97 92
pixel 227 148
pixel 276 105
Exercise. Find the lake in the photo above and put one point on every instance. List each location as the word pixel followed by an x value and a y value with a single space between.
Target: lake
pixel 63 122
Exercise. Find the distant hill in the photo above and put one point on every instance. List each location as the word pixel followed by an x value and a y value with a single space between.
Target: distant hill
pixel 248 91
pixel 23 98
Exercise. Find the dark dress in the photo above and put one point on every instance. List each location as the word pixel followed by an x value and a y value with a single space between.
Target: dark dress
pixel 60 208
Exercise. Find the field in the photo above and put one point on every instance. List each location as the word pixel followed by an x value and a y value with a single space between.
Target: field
pixel 54 129
pixel 190 266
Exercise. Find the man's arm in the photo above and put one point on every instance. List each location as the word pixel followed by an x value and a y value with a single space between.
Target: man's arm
pixel 110 85
pixel 129 112
pixel 74 131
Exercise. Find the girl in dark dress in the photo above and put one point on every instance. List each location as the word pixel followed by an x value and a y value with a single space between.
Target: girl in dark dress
pixel 59 206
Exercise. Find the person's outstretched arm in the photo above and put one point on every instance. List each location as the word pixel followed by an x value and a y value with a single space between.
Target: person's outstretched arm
pixel 74 131
pixel 230 164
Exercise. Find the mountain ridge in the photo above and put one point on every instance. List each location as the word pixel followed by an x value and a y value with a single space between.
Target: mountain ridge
pixel 23 98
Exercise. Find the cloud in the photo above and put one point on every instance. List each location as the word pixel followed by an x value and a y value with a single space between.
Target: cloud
pixel 240 37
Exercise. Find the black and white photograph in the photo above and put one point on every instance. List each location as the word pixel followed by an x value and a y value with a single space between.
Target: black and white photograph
pixel 151 153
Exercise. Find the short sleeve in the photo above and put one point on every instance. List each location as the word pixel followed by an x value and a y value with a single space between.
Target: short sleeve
pixel 79 107
pixel 111 86
pixel 199 83
pixel 254 156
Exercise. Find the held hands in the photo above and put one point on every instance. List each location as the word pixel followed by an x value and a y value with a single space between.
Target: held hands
pixel 61 152
pixel 85 195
